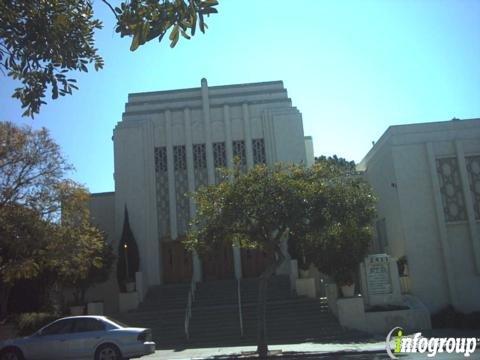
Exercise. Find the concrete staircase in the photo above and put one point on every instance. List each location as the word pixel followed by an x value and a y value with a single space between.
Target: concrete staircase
pixel 290 318
pixel 163 311
pixel 215 317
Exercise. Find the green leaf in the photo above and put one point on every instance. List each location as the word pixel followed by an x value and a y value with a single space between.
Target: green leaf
pixel 174 36
pixel 135 43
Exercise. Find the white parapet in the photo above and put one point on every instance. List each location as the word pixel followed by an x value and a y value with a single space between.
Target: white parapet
pixel 352 315
pixel 306 287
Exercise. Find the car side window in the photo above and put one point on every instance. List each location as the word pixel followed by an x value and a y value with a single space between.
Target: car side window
pixel 58 327
pixel 86 325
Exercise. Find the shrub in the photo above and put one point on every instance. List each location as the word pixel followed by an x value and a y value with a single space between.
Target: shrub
pixel 28 323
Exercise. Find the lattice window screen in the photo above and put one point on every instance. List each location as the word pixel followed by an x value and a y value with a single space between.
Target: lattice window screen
pixel 161 158
pixel 161 182
pixel 179 158
pixel 258 146
pixel 473 170
pixel 181 188
pixel 219 155
pixel 451 189
pixel 239 153
pixel 219 160
pixel 200 165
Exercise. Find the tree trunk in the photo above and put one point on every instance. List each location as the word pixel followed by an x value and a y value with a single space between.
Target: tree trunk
pixel 262 346
pixel 4 301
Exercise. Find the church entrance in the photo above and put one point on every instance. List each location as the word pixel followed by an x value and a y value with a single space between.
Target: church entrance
pixel 177 263
pixel 218 264
pixel 254 262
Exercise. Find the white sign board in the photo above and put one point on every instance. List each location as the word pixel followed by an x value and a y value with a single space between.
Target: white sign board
pixel 378 275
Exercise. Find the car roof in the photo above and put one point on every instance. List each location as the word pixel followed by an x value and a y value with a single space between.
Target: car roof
pixel 98 317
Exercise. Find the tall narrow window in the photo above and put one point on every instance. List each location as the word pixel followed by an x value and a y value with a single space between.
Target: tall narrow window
pixel 258 146
pixel 219 160
pixel 200 165
pixel 179 158
pixel 239 152
pixel 219 155
pixel 473 170
pixel 161 182
pixel 181 188
pixel 451 189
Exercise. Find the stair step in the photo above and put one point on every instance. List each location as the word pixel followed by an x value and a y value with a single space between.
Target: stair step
pixel 215 314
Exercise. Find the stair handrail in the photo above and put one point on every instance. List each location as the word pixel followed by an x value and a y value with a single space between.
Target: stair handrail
pixel 240 313
pixel 188 310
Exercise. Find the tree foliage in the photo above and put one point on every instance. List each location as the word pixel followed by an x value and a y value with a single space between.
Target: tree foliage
pixel 45 225
pixel 257 209
pixel 324 211
pixel 31 167
pixel 43 41
pixel 23 236
pixel 336 165
pixel 254 210
pixel 341 213
pixel 78 253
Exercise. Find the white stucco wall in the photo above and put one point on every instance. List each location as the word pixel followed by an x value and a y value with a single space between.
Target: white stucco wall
pixel 102 208
pixel 441 255
pixel 310 157
pixel 209 115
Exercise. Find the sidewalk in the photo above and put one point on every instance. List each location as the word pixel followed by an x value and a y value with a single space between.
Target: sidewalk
pixel 370 349
pixel 276 350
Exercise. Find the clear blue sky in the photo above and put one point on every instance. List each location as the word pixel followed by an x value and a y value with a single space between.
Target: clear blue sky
pixel 352 68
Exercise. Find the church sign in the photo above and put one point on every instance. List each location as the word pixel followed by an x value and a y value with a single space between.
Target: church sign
pixel 380 283
pixel 378 275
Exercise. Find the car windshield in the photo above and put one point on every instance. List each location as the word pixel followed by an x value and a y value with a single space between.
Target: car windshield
pixel 118 323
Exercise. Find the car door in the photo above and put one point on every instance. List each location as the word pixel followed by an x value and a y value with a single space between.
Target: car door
pixel 86 334
pixel 51 343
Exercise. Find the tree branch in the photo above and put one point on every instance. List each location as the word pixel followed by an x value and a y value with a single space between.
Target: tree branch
pixel 111 8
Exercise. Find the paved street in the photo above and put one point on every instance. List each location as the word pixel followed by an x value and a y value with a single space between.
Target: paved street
pixel 371 351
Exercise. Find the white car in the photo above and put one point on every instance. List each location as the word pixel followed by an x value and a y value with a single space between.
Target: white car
pixel 81 337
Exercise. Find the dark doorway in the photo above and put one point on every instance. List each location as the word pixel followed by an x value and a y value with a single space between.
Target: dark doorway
pixel 177 263
pixel 218 264
pixel 254 262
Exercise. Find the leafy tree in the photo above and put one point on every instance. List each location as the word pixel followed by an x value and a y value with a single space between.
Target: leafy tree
pixel 31 167
pixel 43 41
pixel 325 213
pixel 23 236
pixel 341 213
pixel 78 253
pixel 44 219
pixel 257 209
pixel 128 258
pixel 336 165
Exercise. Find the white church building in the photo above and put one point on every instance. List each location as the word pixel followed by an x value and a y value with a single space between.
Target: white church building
pixel 427 180
pixel 171 142
pixel 426 177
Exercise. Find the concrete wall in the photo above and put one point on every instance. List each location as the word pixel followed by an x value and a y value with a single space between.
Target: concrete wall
pixel 102 207
pixel 203 115
pixel 441 254
pixel 310 156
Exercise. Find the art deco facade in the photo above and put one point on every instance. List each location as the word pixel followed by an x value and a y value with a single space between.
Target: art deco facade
pixel 171 142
